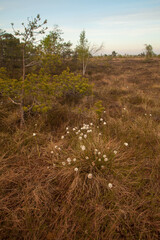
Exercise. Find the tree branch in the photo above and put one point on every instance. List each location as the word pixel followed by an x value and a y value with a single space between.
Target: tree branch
pixel 31 64
pixel 13 101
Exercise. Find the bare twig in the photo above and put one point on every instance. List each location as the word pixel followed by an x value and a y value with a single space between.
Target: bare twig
pixel 13 101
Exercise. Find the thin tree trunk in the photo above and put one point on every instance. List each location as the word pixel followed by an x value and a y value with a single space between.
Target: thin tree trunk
pixel 83 70
pixel 85 65
pixel 22 92
pixel 21 116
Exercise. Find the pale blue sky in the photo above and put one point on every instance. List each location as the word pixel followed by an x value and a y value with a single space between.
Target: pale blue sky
pixel 121 25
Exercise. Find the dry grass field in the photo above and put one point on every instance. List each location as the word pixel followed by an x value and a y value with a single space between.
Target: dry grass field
pixel 86 171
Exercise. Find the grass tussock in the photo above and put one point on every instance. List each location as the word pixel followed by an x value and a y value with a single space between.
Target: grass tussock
pixel 88 171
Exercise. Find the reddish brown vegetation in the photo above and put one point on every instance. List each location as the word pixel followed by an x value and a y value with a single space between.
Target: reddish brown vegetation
pixel 43 201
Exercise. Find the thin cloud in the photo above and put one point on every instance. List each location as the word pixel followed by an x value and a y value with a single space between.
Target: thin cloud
pixel 139 17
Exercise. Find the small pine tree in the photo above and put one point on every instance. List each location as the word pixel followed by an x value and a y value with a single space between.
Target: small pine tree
pixel 83 51
pixel 28 37
pixel 149 51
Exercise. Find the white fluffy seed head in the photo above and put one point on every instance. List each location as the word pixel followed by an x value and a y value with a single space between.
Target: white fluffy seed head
pixel 68 160
pixel 76 169
pixel 83 147
pixel 90 176
pixel 126 144
pixel 110 185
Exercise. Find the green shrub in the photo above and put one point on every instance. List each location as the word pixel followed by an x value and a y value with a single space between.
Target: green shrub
pixel 99 109
pixel 71 87
pixel 41 90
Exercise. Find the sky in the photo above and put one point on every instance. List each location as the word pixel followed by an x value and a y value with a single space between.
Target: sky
pixel 124 26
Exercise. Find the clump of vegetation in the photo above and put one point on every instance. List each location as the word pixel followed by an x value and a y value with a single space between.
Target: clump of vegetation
pixel 99 109
pixel 149 51
pixel 71 87
pixel 136 100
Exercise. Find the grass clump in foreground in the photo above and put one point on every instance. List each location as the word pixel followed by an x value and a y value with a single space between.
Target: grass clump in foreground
pixel 90 177
pixel 87 186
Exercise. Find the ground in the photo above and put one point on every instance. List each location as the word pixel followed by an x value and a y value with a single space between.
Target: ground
pixel 89 170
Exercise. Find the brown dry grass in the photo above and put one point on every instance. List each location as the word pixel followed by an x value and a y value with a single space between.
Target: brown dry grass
pixel 42 199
